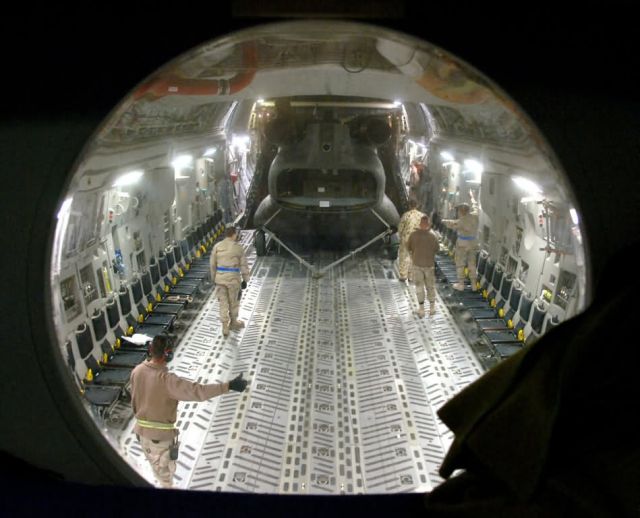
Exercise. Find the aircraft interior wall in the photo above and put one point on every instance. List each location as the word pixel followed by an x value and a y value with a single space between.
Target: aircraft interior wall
pixel 117 237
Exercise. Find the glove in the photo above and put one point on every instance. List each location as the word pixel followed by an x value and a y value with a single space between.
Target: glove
pixel 237 384
pixel 243 285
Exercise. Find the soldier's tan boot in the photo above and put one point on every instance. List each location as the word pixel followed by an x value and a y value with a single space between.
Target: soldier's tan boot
pixel 225 329
pixel 432 310
pixel 236 325
pixel 420 311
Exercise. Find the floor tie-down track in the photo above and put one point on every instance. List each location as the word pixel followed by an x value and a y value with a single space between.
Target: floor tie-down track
pixel 345 381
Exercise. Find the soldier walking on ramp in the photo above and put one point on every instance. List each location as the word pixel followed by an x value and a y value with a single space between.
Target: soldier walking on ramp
pixel 423 246
pixel 409 222
pixel 230 272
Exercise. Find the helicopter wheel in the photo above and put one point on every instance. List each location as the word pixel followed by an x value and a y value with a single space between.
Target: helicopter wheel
pixel 260 243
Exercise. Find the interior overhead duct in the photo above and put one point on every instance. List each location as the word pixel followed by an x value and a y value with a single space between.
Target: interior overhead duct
pixel 176 85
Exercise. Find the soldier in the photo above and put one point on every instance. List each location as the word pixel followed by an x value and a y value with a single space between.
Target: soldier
pixel 466 242
pixel 416 178
pixel 230 271
pixel 155 393
pixel 409 222
pixel 423 246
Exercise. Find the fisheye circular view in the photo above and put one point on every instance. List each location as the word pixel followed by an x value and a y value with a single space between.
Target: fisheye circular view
pixel 286 249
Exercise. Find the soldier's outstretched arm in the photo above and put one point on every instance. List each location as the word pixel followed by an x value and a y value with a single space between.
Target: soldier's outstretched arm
pixel 238 384
pixel 185 390
pixel 474 204
pixel 451 223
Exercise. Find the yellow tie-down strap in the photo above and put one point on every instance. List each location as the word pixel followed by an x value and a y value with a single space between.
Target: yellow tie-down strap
pixel 144 423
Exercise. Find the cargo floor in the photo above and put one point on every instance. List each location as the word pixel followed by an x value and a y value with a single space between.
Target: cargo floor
pixel 345 382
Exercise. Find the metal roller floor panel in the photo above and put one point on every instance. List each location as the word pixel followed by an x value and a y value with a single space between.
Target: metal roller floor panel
pixel 344 384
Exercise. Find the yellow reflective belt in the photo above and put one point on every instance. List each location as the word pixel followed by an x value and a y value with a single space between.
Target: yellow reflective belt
pixel 154 424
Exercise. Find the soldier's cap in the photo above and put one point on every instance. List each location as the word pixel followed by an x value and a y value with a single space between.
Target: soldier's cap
pixel 463 206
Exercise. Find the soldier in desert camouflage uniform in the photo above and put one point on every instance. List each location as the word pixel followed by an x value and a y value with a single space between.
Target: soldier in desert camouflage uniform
pixel 409 222
pixel 230 271
pixel 466 243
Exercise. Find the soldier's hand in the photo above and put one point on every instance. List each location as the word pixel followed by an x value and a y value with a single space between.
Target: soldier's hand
pixel 238 384
pixel 243 285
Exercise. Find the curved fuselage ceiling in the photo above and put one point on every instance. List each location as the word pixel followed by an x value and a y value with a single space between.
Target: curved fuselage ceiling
pixel 303 132
pixel 206 105
pixel 196 99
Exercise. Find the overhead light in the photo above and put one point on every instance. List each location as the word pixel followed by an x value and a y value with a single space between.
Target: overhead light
pixel 210 152
pixel 178 174
pixel 527 185
pixel 240 141
pixel 473 165
pixel 474 178
pixel 574 215
pixel 181 161
pixel 260 101
pixel 128 179
pixel 397 103
pixel 473 170
pixel 448 157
